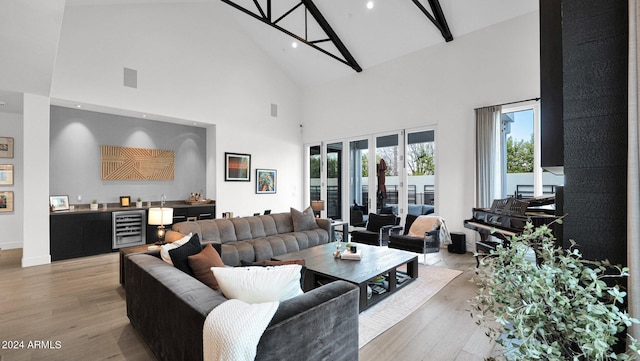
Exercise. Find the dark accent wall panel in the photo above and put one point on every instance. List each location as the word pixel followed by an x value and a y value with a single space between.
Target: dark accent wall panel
pixel 594 53
pixel 551 128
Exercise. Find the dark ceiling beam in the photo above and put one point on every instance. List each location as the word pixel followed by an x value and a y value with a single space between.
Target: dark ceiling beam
pixel 437 18
pixel 324 24
pixel 313 10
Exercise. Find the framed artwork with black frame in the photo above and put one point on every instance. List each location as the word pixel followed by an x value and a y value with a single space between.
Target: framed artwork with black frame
pixel 266 181
pixel 125 201
pixel 237 167
pixel 59 203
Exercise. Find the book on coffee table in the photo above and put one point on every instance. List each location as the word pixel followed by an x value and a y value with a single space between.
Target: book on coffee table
pixel 355 256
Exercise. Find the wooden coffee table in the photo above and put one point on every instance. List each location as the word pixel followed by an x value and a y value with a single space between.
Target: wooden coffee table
pixel 378 269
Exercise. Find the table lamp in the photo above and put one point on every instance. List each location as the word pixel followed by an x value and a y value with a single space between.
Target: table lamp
pixel 159 217
pixel 317 206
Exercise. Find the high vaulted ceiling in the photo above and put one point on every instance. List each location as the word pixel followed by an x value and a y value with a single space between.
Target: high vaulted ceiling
pixel 29 34
pixel 391 29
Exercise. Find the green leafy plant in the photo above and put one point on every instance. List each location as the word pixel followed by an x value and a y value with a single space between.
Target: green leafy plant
pixel 138 199
pixel 558 308
pixel 95 201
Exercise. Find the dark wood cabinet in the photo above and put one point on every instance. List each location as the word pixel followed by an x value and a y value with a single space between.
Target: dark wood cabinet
pixel 182 214
pixel 79 234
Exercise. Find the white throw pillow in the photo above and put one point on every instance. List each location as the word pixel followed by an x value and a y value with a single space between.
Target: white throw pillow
pixel 259 284
pixel 165 248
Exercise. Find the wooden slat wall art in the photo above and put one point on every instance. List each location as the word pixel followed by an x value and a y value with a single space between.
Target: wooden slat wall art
pixel 125 163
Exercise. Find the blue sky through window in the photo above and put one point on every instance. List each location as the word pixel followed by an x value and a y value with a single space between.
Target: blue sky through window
pixel 522 127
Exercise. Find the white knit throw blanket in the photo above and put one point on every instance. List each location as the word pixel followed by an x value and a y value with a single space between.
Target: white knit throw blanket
pixel 232 330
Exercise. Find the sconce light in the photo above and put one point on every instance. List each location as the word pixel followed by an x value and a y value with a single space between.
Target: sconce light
pixel 317 206
pixel 159 217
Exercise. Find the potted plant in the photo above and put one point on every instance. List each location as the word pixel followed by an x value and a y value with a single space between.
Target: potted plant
pixel 139 202
pixel 94 205
pixel 554 305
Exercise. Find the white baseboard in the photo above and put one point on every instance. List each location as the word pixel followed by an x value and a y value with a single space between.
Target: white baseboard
pixel 10 245
pixel 36 261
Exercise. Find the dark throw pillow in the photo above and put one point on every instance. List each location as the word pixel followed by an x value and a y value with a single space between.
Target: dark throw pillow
pixel 201 264
pixel 180 256
pixel 408 222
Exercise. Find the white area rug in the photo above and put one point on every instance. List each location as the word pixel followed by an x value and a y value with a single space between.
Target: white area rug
pixel 401 304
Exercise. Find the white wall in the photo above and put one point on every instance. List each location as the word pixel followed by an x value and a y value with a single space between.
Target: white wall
pixel 438 86
pixel 35 248
pixel 192 64
pixel 11 222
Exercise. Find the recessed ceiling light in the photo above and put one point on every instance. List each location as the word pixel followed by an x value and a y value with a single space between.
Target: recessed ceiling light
pixel 369 4
pixel 144 115
pixel 78 106
pixel 294 45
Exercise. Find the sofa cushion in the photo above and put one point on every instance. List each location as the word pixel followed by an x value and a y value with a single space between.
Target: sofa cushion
pixel 201 264
pixel 269 225
pixel 256 227
pixel 164 249
pixel 243 230
pixel 226 230
pixel 303 221
pixel 209 231
pixel 259 284
pixel 188 227
pixel 179 256
pixel 234 252
pixel 414 209
pixel 283 222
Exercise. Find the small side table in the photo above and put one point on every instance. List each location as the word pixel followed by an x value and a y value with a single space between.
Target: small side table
pixel 345 230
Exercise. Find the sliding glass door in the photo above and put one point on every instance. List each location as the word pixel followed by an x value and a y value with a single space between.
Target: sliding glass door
pixel 421 171
pixel 315 173
pixel 380 173
pixel 334 180
pixel 388 164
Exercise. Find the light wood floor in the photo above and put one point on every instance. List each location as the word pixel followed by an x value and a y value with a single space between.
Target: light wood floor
pixel 77 309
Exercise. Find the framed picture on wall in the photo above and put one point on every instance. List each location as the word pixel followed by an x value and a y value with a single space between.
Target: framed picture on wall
pixel 6 201
pixel 237 167
pixel 266 181
pixel 6 147
pixel 59 203
pixel 6 174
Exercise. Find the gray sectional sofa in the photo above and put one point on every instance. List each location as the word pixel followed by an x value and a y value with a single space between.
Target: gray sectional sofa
pixel 168 307
pixel 255 238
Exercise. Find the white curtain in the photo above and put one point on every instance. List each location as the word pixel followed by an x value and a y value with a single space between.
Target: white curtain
pixel 633 181
pixel 489 155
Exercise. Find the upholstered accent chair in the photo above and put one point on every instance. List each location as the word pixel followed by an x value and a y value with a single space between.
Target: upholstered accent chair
pixel 358 215
pixel 424 237
pixel 377 230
